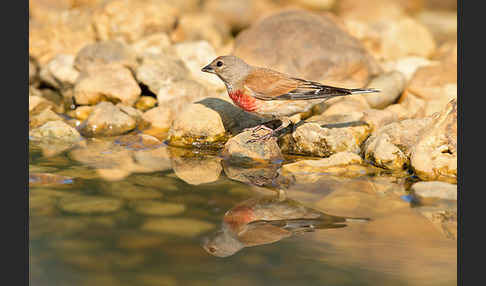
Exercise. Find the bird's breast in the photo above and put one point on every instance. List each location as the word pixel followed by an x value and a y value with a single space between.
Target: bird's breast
pixel 243 101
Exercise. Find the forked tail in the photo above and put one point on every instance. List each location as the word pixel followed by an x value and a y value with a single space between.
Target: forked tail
pixel 363 90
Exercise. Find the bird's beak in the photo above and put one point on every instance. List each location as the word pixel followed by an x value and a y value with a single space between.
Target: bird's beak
pixel 208 69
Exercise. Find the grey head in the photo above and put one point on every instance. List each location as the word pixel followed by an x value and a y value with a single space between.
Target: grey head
pixel 222 243
pixel 230 69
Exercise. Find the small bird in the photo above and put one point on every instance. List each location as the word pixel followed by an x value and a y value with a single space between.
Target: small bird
pixel 271 94
pixel 267 219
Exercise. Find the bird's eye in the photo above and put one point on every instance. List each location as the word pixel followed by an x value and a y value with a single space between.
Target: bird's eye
pixel 219 63
pixel 212 249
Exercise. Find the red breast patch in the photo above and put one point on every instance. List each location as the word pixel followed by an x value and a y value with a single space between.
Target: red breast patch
pixel 245 102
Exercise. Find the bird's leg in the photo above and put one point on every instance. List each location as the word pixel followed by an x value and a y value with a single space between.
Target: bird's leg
pixel 258 128
pixel 285 122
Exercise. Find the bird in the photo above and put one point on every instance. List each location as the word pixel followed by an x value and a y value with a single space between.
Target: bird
pixel 271 94
pixel 267 219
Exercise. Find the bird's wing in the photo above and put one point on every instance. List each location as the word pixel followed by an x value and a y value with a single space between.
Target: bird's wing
pixel 266 84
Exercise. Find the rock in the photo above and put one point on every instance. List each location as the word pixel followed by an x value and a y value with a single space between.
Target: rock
pixel 105 52
pixel 106 82
pixel 159 117
pixel 195 170
pixel 434 156
pixel 158 208
pixel 197 125
pixel 200 26
pixel 196 55
pixel 389 147
pixel 315 4
pixel 407 65
pixel 65 35
pixel 159 70
pixel 184 227
pixel 238 150
pixel 152 44
pixel 391 39
pixel 390 85
pixel 56 131
pixel 128 21
pixel 44 116
pixel 127 191
pixel 238 14
pixel 314 140
pixel 145 103
pixel 133 113
pixel 32 72
pixel 376 10
pixel 442 24
pixel 342 164
pixel 447 53
pixel 445 220
pixel 81 112
pixel 376 118
pixel 435 189
pixel 177 95
pixel 90 204
pixel 59 72
pixel 321 50
pixel 107 120
pixel 38 103
pixel 409 106
pixel 436 84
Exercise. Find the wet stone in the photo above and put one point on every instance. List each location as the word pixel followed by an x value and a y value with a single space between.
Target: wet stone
pixel 37 179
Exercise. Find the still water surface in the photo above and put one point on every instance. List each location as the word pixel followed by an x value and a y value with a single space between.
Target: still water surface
pixel 160 216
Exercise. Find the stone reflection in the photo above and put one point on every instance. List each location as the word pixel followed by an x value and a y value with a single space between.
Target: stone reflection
pixel 267 219
pixel 193 167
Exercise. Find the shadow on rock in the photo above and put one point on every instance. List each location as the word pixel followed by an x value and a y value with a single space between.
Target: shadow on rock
pixel 234 119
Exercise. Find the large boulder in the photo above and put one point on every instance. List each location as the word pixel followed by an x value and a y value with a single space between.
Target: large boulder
pixel 309 46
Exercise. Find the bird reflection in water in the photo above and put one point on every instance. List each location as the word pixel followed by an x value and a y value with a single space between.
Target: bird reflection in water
pixel 267 219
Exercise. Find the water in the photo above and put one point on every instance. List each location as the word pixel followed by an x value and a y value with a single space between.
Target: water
pixel 121 214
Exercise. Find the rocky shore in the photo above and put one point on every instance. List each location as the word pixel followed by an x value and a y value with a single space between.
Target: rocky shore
pixel 114 83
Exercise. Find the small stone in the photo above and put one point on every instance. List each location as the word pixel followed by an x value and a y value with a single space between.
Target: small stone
pixel 159 70
pixel 406 65
pixel 128 21
pixel 107 120
pixel 145 103
pixel 238 149
pixel 197 125
pixel 90 204
pixel 158 208
pixel 154 44
pixel 44 116
pixel 38 179
pixel 159 117
pixel 56 131
pixel 435 189
pixel 391 86
pixel 81 112
pixel 59 72
pixel 106 82
pixel 434 156
pixel 177 226
pixel 197 170
pixel 105 52
pixel 38 103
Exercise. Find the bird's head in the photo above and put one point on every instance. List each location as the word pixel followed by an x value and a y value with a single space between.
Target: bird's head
pixel 229 69
pixel 222 243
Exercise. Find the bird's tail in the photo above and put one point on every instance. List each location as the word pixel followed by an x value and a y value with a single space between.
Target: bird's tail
pixel 363 90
